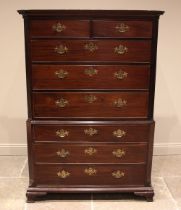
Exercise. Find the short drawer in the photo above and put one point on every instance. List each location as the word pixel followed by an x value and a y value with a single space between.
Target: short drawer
pixel 90 153
pixel 90 174
pixel 122 29
pixel 59 28
pixel 57 77
pixel 97 132
pixel 90 104
pixel 91 50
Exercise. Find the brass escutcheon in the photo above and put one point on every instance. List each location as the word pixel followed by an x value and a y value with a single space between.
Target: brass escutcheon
pixel 90 131
pixel 62 153
pixel 119 153
pixel 90 71
pixel 58 27
pixel 90 98
pixel 62 133
pixel 120 103
pixel 61 74
pixel 122 28
pixel 118 174
pixel 90 171
pixel 90 151
pixel 119 133
pixel 61 49
pixel 120 74
pixel 91 47
pixel 63 174
pixel 61 102
pixel 120 49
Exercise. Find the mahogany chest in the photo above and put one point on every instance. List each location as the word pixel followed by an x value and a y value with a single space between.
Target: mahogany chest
pixel 90 86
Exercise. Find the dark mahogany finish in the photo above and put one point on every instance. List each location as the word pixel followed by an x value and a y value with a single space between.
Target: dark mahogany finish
pixel 133 132
pixel 72 28
pixel 46 175
pixel 119 50
pixel 44 105
pixel 45 77
pixel 44 50
pixel 139 29
pixel 102 153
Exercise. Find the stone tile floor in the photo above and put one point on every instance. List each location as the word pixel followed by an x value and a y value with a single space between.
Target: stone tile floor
pixel 166 178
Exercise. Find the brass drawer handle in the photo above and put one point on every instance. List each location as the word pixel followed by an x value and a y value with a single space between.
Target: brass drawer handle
pixel 61 49
pixel 91 131
pixel 119 133
pixel 90 71
pixel 119 153
pixel 63 174
pixel 90 98
pixel 118 174
pixel 90 151
pixel 120 49
pixel 62 133
pixel 61 74
pixel 58 27
pixel 90 171
pixel 120 74
pixel 62 153
pixel 122 28
pixel 120 103
pixel 90 47
pixel 61 102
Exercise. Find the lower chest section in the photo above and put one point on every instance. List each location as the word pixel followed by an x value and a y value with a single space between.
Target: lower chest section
pixel 103 153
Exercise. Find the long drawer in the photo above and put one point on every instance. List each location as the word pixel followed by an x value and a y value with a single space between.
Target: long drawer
pixel 57 77
pixel 91 50
pixel 99 132
pixel 90 153
pixel 90 104
pixel 90 174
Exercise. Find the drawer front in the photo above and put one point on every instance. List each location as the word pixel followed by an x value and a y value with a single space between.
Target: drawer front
pixel 90 104
pixel 57 77
pixel 92 133
pixel 59 28
pixel 93 50
pixel 90 153
pixel 92 174
pixel 123 29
